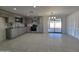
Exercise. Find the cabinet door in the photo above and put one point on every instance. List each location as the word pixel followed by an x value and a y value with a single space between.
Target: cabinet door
pixel 2 34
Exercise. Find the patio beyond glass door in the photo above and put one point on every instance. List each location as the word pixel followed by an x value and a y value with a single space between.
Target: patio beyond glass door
pixel 55 26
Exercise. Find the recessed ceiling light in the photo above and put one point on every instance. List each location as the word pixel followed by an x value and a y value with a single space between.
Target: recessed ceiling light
pixel 14 8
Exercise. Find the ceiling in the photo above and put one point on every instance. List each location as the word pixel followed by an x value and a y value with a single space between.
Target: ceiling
pixel 41 10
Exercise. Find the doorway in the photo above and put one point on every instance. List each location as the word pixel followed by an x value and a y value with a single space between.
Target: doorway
pixel 55 25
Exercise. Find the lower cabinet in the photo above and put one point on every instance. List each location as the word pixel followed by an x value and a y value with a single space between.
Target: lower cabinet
pixel 14 32
pixel 2 34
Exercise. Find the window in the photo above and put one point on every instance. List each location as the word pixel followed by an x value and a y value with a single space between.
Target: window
pixel 54 25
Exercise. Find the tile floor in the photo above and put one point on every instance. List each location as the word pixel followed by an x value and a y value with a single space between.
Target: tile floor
pixel 41 42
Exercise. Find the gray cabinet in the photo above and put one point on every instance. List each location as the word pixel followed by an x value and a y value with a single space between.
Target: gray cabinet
pixel 14 32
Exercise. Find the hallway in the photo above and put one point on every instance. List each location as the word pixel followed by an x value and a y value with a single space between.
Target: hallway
pixel 41 42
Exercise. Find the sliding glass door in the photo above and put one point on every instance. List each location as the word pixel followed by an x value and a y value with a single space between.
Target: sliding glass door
pixel 54 25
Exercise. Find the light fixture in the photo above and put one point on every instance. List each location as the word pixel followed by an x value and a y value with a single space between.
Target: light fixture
pixel 14 8
pixel 34 6
pixel 54 17
pixel 35 3
pixel 49 17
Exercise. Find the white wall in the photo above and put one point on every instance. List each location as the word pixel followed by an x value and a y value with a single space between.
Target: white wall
pixel 73 24
pixel 40 26
pixel 45 24
pixel 63 18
